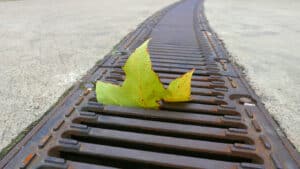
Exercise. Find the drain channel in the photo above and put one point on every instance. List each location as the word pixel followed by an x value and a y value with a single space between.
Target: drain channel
pixel 223 126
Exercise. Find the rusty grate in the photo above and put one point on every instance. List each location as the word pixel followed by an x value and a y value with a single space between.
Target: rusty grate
pixel 224 126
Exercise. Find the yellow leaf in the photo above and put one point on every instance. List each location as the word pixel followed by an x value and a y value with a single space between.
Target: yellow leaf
pixel 141 87
pixel 180 88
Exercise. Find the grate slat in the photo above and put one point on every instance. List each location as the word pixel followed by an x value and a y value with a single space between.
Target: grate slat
pixel 146 158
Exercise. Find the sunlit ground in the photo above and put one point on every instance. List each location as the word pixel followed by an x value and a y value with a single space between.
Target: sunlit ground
pixel 264 37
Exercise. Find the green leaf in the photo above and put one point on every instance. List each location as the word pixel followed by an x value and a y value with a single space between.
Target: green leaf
pixel 141 87
pixel 180 88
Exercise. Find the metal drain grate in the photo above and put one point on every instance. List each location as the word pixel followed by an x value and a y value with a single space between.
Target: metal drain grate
pixel 224 126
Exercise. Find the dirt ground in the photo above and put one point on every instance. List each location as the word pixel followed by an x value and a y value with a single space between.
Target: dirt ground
pixel 47 45
pixel 264 37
